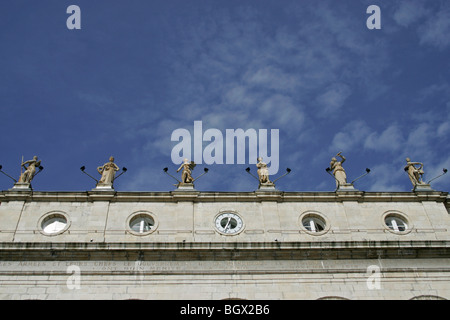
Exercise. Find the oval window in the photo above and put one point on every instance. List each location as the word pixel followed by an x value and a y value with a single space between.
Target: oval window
pixel 314 223
pixel 397 222
pixel 141 223
pixel 54 223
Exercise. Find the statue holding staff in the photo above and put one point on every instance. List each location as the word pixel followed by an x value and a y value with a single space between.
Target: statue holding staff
pixel 338 170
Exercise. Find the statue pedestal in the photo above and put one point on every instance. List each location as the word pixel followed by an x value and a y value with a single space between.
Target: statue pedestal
pixel 422 187
pixel 103 187
pixel 267 187
pixel 21 186
pixel 185 187
pixel 346 187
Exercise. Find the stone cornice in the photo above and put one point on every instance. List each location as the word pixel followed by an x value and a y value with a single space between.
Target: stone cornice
pixel 208 196
pixel 223 250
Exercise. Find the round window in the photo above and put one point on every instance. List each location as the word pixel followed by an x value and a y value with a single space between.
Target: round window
pixel 141 223
pixel 54 223
pixel 314 223
pixel 396 222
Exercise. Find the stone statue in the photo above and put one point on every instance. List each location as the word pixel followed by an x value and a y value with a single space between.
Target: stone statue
pixel 30 171
pixel 186 174
pixel 338 170
pixel 263 172
pixel 108 172
pixel 414 173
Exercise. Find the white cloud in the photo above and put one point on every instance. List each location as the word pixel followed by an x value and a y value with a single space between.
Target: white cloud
pixel 432 22
pixel 409 12
pixel 387 177
pixel 352 135
pixel 283 112
pixel 434 170
pixel 272 77
pixel 420 137
pixel 436 30
pixel 443 129
pixel 333 99
pixel 441 89
pixel 238 96
pixel 390 139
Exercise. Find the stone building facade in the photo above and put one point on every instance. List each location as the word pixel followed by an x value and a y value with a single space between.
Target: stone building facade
pixel 224 245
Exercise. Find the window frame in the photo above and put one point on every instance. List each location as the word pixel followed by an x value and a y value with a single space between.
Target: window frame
pixel 136 215
pixel 50 215
pixel 394 214
pixel 316 217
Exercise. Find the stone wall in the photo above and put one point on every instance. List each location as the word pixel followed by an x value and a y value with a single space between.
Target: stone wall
pixel 265 279
pixel 97 256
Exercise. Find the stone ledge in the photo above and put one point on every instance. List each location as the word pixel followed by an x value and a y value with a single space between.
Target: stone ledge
pixel 223 271
pixel 198 196
pixel 225 250
pixel 222 245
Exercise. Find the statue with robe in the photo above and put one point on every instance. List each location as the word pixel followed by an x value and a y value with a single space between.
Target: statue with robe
pixel 263 172
pixel 338 170
pixel 108 172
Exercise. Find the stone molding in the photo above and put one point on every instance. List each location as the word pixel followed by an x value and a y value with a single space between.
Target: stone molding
pixel 277 250
pixel 206 196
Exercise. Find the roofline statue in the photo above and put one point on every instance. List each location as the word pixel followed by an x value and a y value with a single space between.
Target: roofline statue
pixel 108 172
pixel 186 174
pixel 187 181
pixel 265 184
pixel 415 173
pixel 337 171
pixel 108 175
pixel 30 170
pixel 27 175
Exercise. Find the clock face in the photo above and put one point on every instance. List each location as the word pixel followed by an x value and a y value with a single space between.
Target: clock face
pixel 229 223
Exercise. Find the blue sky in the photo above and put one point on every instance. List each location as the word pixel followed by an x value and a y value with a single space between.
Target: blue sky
pixel 137 70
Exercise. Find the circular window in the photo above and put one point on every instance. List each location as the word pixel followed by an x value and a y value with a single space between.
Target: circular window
pixel 141 223
pixel 54 223
pixel 396 222
pixel 314 223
